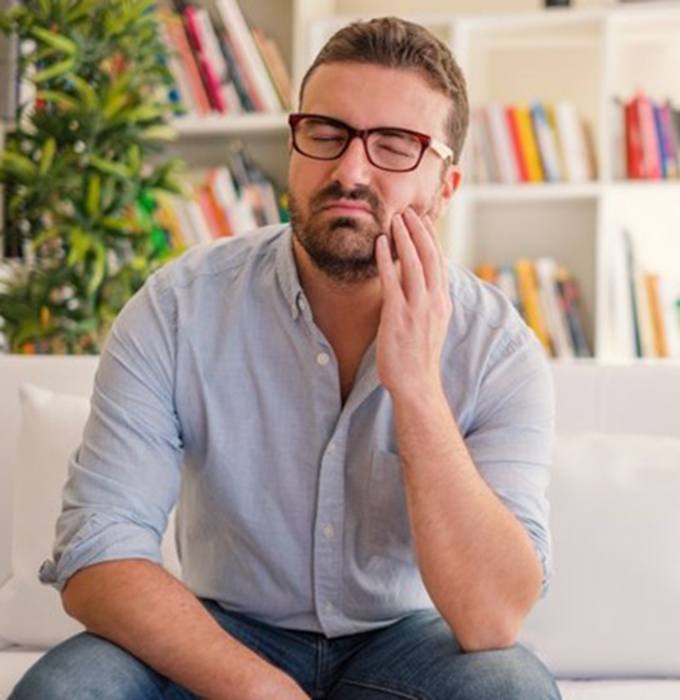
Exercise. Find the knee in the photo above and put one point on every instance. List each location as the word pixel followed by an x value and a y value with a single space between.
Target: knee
pixel 512 674
pixel 88 668
pixel 46 680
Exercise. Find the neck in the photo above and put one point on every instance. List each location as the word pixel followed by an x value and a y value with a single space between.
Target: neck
pixel 338 307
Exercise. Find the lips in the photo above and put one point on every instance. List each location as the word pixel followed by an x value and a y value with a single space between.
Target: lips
pixel 347 207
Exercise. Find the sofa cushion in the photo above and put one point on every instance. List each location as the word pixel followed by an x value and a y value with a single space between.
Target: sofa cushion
pixel 51 429
pixel 614 605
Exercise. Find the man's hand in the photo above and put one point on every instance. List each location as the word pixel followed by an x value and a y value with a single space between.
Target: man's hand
pixel 416 307
pixel 275 685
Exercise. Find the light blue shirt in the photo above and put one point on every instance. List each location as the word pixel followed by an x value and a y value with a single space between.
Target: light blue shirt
pixel 217 390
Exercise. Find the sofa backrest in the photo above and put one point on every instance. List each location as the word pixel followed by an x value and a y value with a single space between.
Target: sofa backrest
pixel 622 398
pixel 62 374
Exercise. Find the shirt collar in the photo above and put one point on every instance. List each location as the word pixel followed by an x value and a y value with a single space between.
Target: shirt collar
pixel 286 272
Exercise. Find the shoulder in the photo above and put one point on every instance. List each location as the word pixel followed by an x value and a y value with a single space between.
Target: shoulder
pixel 483 311
pixel 221 258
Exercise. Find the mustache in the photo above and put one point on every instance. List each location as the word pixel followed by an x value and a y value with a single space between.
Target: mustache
pixel 335 191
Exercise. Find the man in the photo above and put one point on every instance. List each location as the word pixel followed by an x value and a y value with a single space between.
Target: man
pixel 364 431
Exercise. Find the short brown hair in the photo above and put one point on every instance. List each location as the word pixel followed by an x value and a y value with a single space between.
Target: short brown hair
pixel 396 43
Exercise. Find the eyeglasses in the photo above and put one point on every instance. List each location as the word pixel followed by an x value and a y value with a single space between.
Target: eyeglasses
pixel 387 148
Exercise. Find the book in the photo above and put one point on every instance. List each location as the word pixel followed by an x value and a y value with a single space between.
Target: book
pixel 198 97
pixel 246 53
pixel 631 270
pixel 572 138
pixel 648 138
pixel 518 149
pixel 670 143
pixel 487 272
pixel 528 292
pixel 193 25
pixel 502 144
pixel 556 320
pixel 635 165
pixel 651 282
pixel 528 143
pixel 276 66
pixel 570 296
pixel 546 139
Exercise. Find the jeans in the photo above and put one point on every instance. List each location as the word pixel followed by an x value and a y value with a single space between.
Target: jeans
pixel 415 658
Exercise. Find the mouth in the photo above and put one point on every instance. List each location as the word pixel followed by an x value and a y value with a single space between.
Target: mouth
pixel 347 207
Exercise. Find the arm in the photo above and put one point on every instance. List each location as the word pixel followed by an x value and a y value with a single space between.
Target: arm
pixel 123 481
pixel 142 608
pixel 477 561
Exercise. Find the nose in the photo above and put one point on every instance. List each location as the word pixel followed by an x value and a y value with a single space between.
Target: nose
pixel 353 167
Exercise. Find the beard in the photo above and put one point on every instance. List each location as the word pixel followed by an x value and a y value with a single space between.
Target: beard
pixel 343 247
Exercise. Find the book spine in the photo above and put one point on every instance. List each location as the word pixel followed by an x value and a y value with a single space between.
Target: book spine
pixel 660 142
pixel 519 153
pixel 651 281
pixel 528 291
pixel 547 148
pixel 527 139
pixel 650 152
pixel 502 143
pixel 246 51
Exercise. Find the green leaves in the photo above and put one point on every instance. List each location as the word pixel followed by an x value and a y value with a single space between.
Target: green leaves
pixel 76 168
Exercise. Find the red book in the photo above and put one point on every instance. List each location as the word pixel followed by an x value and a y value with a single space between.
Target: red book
pixel 179 40
pixel 208 212
pixel 634 160
pixel 208 74
pixel 513 128
pixel 650 144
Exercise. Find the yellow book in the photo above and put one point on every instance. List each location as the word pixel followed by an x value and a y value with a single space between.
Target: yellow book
pixel 651 281
pixel 528 144
pixel 528 293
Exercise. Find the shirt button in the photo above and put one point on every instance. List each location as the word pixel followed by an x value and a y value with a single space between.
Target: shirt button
pixel 331 447
pixel 322 358
pixel 301 304
pixel 328 606
pixel 329 531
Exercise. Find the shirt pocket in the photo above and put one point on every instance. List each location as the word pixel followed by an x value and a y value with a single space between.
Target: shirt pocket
pixel 390 529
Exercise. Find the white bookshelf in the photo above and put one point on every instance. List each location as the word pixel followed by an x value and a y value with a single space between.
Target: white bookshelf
pixel 587 56
pixel 583 54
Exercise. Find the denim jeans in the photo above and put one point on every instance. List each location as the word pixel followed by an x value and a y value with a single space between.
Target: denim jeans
pixel 415 658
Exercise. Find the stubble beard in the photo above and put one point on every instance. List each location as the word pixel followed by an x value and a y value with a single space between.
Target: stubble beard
pixel 342 247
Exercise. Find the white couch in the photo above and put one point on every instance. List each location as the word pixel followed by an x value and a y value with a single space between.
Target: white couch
pixel 610 625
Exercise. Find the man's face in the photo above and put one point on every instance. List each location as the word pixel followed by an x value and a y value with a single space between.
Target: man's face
pixel 339 207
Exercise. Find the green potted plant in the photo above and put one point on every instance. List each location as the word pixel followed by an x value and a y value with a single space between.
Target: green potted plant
pixel 78 178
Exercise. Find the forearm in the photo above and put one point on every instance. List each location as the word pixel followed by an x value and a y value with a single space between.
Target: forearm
pixel 476 559
pixel 142 608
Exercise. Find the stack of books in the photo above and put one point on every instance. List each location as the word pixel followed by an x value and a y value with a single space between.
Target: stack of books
pixel 223 201
pixel 651 311
pixel 541 142
pixel 220 64
pixel 548 299
pixel 647 139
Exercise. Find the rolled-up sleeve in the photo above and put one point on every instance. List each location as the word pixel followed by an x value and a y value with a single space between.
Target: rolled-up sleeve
pixel 510 438
pixel 123 480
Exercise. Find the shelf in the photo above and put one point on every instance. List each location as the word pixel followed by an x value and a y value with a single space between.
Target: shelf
pixel 253 123
pixel 539 191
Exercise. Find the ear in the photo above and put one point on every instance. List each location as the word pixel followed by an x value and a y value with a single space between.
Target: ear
pixel 450 182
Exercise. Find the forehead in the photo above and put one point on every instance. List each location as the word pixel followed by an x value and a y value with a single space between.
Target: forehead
pixel 367 95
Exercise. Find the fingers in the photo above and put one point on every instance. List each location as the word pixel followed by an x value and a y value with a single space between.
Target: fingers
pixel 387 270
pixel 412 274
